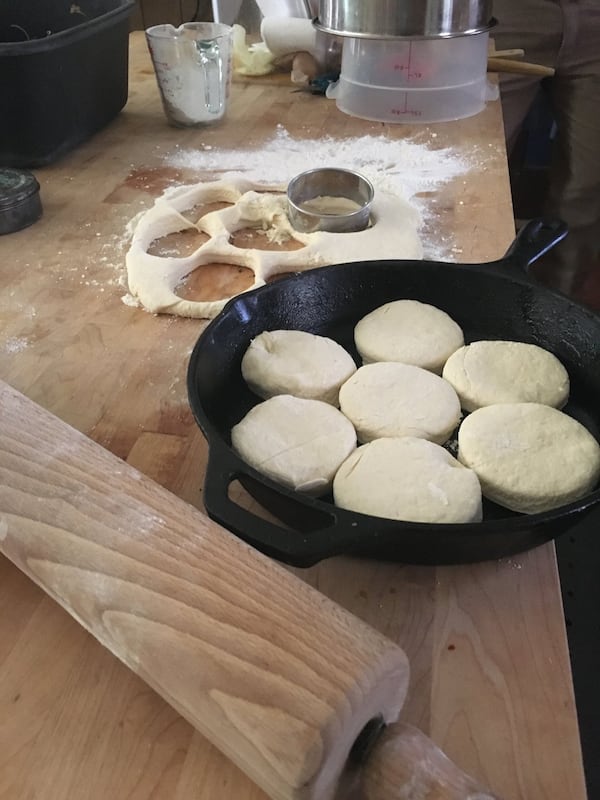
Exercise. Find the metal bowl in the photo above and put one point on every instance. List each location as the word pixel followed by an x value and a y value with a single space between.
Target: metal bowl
pixel 329 182
pixel 428 19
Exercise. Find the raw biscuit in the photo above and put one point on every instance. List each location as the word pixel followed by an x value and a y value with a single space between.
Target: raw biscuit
pixel 410 332
pixel 393 399
pixel 488 372
pixel 297 442
pixel 408 479
pixel 297 363
pixel 529 457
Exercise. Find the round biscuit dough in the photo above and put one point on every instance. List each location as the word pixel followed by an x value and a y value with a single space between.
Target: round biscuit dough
pixel 298 363
pixel 410 332
pixel 393 399
pixel 408 479
pixel 488 372
pixel 297 442
pixel 529 457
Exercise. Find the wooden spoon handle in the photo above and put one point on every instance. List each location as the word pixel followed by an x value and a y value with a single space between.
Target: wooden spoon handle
pixel 278 677
pixel 406 765
pixel 495 64
pixel 515 52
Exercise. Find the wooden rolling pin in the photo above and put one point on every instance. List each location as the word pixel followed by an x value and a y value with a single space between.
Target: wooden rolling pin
pixel 279 678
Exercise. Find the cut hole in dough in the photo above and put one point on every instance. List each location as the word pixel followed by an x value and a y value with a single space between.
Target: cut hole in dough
pixel 278 277
pixel 529 457
pixel 258 239
pixel 389 399
pixel 487 372
pixel 408 479
pixel 201 209
pixel 297 363
pixel 409 332
pixel 178 244
pixel 299 443
pixel 214 281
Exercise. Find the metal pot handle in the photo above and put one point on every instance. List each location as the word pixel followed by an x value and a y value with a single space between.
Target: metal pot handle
pixel 534 239
pixel 288 545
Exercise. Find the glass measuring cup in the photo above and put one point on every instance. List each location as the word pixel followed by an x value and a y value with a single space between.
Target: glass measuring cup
pixel 193 70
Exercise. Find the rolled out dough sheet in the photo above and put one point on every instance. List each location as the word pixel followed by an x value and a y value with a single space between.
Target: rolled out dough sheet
pixel 153 280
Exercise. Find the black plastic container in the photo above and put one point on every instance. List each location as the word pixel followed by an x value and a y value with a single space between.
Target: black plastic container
pixel 20 204
pixel 63 74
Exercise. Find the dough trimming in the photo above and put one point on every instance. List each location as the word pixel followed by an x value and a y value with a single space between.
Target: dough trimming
pixel 153 280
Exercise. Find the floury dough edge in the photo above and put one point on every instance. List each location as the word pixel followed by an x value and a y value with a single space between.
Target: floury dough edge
pixel 153 280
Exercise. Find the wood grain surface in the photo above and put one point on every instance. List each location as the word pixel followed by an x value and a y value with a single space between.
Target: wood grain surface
pixel 490 675
pixel 151 578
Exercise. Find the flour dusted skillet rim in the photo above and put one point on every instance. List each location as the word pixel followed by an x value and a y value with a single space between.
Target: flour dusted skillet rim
pixel 529 457
pixel 298 363
pixel 410 332
pixel 297 442
pixel 392 399
pixel 408 479
pixel 488 372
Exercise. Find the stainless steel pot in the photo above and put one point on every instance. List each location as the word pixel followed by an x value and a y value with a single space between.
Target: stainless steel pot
pixel 380 19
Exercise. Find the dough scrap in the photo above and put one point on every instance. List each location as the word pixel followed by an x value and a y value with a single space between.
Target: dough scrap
pixel 487 372
pixel 297 442
pixel 408 479
pixel 154 279
pixel 410 332
pixel 297 363
pixel 389 399
pixel 529 457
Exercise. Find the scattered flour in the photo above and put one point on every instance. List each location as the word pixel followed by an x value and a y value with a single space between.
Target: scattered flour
pixel 16 344
pixel 406 175
pixel 401 167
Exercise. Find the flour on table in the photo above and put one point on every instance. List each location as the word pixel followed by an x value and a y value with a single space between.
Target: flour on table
pixel 254 183
pixel 15 344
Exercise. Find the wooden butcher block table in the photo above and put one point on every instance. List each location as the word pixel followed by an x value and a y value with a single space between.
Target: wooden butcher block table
pixel 490 675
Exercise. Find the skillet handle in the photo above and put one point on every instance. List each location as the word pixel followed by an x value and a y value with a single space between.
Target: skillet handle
pixel 534 239
pixel 292 546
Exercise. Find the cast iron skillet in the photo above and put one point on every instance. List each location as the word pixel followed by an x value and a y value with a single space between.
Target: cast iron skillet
pixel 497 300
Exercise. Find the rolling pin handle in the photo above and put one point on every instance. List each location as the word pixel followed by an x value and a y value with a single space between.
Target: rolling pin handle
pixel 406 764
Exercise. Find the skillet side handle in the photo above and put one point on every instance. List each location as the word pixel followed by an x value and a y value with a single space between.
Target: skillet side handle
pixel 534 239
pixel 284 544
